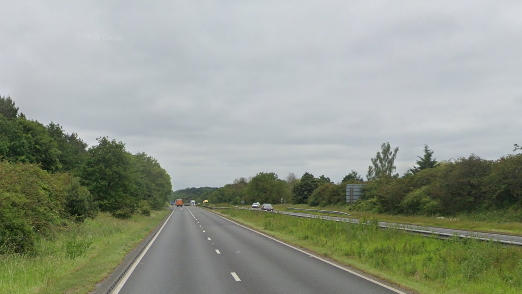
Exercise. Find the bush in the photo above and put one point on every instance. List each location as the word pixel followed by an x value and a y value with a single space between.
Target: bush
pixel 16 234
pixel 420 202
pixel 79 203
pixel 504 184
pixel 39 194
pixel 144 207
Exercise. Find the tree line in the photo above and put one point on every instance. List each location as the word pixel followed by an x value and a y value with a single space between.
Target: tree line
pixel 430 187
pixel 49 177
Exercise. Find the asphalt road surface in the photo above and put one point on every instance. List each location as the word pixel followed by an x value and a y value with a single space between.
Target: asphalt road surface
pixel 197 251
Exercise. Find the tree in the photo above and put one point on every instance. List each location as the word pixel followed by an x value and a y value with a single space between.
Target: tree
pixel 427 161
pixel 304 188
pixel 517 147
pixel 78 202
pixel 152 183
pixel 108 174
pixel 323 180
pixel 383 163
pixel 352 177
pixel 42 148
pixel 267 188
pixel 13 143
pixel 8 108
pixel 73 151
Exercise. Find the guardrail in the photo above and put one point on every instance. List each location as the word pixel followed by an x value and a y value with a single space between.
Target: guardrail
pixel 442 233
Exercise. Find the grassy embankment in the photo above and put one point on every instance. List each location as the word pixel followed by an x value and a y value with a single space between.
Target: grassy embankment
pixel 426 265
pixel 501 221
pixel 76 258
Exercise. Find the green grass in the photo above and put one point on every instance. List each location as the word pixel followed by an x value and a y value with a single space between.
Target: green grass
pixel 76 258
pixel 501 221
pixel 426 265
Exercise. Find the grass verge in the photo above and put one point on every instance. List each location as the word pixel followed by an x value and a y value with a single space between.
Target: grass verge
pixel 501 221
pixel 76 258
pixel 426 265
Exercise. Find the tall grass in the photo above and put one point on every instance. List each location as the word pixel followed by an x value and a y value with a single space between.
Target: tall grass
pixel 506 221
pixel 74 260
pixel 427 265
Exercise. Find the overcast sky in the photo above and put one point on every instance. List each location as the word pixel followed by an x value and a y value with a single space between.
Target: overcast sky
pixel 218 90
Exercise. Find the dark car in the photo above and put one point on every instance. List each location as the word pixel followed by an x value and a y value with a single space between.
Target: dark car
pixel 267 207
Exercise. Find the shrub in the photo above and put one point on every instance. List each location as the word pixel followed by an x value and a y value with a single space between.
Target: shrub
pixel 16 234
pixel 144 207
pixel 79 203
pixel 420 202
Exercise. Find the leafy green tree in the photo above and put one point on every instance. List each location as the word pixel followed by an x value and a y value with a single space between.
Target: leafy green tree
pixel 72 150
pixel 13 145
pixel 328 194
pixel 352 177
pixel 464 186
pixel 427 161
pixel 41 147
pixel 266 188
pixel 152 183
pixel 504 183
pixel 383 164
pixel 109 176
pixel 304 188
pixel 78 201
pixel 237 191
pixel 323 180
pixel 8 108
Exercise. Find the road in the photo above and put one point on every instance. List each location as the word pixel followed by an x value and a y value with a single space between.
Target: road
pixel 425 230
pixel 197 251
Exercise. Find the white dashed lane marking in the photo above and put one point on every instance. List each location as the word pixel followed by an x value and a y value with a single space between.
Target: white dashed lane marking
pixel 217 251
pixel 236 277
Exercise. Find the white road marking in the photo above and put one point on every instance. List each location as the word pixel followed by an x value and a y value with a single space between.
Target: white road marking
pixel 209 239
pixel 203 231
pixel 316 257
pixel 235 276
pixel 137 261
pixel 217 251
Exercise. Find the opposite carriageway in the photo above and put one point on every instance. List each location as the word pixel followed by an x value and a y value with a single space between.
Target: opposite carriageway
pixel 439 232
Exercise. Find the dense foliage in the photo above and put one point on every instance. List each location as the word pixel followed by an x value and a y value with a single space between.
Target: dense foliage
pixel 460 186
pixel 196 194
pixel 465 185
pixel 49 177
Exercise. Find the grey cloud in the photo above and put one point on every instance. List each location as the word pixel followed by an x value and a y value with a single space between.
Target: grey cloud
pixel 221 90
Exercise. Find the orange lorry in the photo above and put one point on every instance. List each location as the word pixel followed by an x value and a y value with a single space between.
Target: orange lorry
pixel 179 202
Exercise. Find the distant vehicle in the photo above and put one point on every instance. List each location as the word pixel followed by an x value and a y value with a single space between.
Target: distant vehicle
pixel 205 201
pixel 256 205
pixel 172 202
pixel 179 202
pixel 192 202
pixel 267 207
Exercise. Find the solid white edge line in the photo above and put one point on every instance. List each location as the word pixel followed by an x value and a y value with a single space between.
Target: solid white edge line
pixel 315 256
pixel 236 277
pixel 137 261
